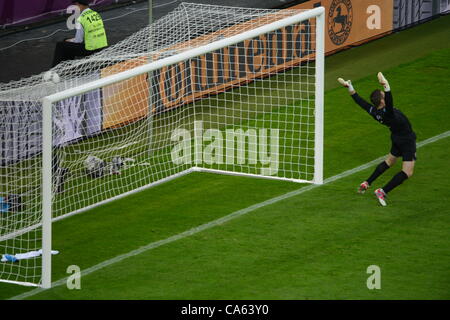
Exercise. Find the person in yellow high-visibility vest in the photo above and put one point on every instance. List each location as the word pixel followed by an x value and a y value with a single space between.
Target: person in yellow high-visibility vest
pixel 89 38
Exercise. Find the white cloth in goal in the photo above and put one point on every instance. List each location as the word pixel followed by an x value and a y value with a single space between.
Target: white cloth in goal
pixel 246 108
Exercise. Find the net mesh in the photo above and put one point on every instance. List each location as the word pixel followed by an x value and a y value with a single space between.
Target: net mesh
pixel 247 108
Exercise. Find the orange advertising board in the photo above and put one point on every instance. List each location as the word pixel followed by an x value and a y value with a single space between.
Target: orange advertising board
pixel 347 22
pixel 350 22
pixel 125 101
pixel 234 65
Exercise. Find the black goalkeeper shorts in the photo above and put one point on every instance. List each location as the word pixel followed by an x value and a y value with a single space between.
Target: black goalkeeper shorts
pixel 404 146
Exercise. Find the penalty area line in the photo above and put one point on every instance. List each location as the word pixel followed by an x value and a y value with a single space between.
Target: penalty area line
pixel 221 221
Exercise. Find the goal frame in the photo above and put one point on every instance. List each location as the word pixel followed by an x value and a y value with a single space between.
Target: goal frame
pixel 47 133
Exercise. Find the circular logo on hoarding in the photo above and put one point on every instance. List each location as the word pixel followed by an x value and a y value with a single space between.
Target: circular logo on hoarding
pixel 340 18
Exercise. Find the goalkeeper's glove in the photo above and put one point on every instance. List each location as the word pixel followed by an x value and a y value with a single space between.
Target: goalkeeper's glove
pixel 383 82
pixel 347 84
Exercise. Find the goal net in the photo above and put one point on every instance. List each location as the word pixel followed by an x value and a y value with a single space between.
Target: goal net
pixel 205 88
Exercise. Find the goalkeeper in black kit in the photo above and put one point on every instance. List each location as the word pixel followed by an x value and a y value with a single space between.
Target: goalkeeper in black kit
pixel 402 136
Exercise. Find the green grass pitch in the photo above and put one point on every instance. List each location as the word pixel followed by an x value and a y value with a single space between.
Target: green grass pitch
pixel 316 245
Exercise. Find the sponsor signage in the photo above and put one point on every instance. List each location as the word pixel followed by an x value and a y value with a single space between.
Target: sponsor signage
pixel 409 12
pixel 215 72
pixel 20 130
pixel 126 101
pixel 350 22
pixel 21 124
pixel 232 66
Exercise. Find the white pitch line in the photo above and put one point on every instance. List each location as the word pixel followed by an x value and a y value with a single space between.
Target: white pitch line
pixel 220 221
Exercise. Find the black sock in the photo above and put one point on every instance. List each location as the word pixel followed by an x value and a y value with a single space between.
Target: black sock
pixel 382 167
pixel 395 181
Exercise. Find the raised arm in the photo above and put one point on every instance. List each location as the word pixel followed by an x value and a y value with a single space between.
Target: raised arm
pixel 360 101
pixel 388 100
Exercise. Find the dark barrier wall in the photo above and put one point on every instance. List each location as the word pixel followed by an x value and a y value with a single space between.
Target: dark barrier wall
pixel 19 12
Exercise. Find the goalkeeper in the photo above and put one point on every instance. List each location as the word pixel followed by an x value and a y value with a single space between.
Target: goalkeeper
pixel 402 136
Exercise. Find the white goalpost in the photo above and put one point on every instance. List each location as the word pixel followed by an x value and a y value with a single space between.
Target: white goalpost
pixel 220 89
